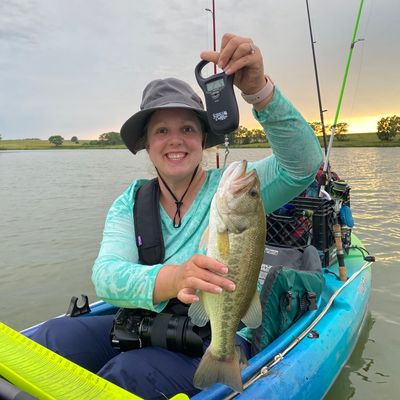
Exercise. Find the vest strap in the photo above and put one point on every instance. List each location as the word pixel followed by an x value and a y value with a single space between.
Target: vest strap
pixel 147 220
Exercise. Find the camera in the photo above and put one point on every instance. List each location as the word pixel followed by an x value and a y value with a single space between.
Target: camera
pixel 137 328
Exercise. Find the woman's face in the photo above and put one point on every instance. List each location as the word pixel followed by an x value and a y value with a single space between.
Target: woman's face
pixel 174 142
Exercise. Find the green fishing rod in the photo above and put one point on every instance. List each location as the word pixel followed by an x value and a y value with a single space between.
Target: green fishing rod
pixel 326 161
pixel 323 180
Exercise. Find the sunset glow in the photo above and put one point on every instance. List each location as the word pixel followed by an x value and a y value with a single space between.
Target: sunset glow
pixel 356 125
pixel 363 125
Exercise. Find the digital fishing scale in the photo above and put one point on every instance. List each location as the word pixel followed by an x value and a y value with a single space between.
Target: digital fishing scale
pixel 222 108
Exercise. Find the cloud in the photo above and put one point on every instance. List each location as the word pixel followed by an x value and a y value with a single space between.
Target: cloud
pixel 19 22
pixel 73 65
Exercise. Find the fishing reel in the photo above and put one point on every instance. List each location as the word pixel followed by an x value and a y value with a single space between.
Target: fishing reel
pixel 340 190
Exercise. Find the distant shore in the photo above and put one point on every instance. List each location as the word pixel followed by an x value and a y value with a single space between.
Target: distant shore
pixel 351 140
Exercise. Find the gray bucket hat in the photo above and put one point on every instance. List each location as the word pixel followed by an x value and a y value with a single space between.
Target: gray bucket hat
pixel 165 93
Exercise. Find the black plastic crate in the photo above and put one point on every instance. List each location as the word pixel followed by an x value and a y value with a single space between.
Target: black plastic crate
pixel 304 221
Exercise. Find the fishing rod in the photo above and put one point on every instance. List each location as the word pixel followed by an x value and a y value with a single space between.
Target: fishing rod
pixel 212 11
pixel 353 42
pixel 337 230
pixel 321 111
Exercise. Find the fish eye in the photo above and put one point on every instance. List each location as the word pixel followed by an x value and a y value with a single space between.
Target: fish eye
pixel 253 192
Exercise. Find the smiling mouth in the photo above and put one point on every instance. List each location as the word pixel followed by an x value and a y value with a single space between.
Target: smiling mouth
pixel 175 156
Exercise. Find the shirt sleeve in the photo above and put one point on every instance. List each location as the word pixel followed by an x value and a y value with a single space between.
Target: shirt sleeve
pixel 296 155
pixel 117 275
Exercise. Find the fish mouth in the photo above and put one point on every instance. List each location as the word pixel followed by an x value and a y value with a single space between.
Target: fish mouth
pixel 243 181
pixel 235 170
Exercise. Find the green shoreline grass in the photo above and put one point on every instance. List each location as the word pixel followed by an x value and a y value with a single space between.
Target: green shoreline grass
pixel 351 140
pixel 26 144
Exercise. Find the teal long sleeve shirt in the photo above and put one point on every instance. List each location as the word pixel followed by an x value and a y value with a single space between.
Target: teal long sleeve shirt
pixel 118 276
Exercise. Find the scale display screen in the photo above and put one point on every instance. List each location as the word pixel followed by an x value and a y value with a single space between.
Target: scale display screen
pixel 221 105
pixel 215 85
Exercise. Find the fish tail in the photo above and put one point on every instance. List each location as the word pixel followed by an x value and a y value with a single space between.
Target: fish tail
pixel 212 370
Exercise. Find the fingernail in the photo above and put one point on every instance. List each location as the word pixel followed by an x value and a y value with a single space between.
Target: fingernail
pixel 224 270
pixel 227 71
pixel 218 290
pixel 220 65
pixel 232 287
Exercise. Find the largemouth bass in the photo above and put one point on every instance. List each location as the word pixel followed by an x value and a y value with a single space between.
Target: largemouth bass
pixel 236 237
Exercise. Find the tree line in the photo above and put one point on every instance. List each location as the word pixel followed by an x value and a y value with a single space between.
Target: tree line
pixel 105 139
pixel 242 135
pixel 387 129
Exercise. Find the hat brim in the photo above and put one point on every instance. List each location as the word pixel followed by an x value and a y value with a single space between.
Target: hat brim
pixel 132 131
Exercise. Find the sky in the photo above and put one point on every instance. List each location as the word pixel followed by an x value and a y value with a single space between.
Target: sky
pixel 78 67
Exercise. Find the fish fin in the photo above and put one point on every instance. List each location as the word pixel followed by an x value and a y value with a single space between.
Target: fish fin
pixel 204 239
pixel 223 243
pixel 242 357
pixel 212 370
pixel 198 313
pixel 253 316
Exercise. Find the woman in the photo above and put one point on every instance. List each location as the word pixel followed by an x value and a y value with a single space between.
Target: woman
pixel 172 126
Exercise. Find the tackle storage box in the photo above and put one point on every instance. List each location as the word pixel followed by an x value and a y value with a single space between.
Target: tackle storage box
pixel 304 221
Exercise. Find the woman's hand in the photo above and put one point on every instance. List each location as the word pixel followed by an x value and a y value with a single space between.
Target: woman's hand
pixel 239 56
pixel 200 272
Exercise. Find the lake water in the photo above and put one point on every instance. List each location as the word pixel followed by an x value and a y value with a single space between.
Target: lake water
pixel 52 210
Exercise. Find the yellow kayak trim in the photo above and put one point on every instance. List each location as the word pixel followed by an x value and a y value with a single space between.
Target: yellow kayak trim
pixel 49 376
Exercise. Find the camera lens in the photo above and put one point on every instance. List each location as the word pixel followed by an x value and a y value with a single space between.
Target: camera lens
pixel 145 329
pixel 173 332
pixel 192 341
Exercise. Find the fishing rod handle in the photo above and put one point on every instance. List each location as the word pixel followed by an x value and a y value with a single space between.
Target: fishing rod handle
pixel 339 252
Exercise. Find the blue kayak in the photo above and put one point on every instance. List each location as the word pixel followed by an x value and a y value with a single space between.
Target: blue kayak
pixel 305 360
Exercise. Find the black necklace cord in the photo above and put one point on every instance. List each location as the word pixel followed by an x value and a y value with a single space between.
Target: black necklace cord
pixel 178 203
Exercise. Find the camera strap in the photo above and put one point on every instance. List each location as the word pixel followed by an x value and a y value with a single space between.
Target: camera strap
pixel 147 220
